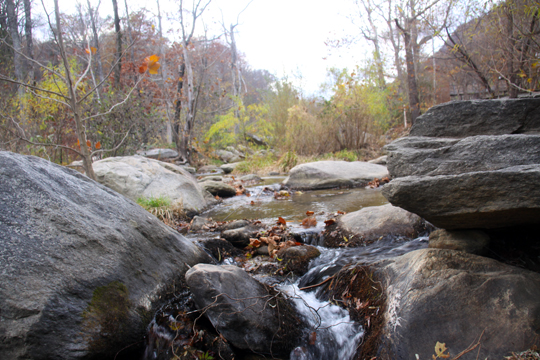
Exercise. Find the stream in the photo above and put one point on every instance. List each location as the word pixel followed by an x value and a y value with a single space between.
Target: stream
pixel 338 337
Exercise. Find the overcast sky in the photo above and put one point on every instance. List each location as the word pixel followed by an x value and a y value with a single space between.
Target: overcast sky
pixel 285 37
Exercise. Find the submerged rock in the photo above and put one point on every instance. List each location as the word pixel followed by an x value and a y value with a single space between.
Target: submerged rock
pixel 245 312
pixel 83 267
pixel 136 177
pixel 373 223
pixel 330 174
pixel 458 299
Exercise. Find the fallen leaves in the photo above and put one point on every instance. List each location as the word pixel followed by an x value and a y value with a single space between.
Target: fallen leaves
pixel 309 222
pixel 375 183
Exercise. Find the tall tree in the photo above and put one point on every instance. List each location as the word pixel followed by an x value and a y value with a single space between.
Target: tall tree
pixel 28 37
pixel 118 59
pixel 13 25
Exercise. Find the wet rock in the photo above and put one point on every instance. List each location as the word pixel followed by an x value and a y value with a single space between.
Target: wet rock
pixel 218 188
pixel 470 241
pixel 297 258
pixel 159 154
pixel 220 249
pixel 243 310
pixel 483 199
pixel 454 297
pixel 137 176
pixel 75 254
pixel 239 237
pixel 210 178
pixel 262 250
pixel 458 119
pixel 234 225
pixel 374 223
pixel 330 174
pixel 229 168
pixel 433 156
pixel 273 173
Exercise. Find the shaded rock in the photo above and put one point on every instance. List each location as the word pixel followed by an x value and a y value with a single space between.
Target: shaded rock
pixel 251 178
pixel 297 258
pixel 198 222
pixel 209 169
pixel 329 174
pixel 137 176
pixel 374 223
pixel 243 310
pixel 433 156
pixel 483 199
pixel 239 237
pixel 458 119
pixel 159 154
pixel 256 140
pixel 234 225
pixel 453 297
pixel 470 241
pixel 218 188
pixel 229 168
pixel 220 249
pixel 189 169
pixel 381 160
pixel 74 254
pixel 228 156
pixel 210 178
pixel 273 173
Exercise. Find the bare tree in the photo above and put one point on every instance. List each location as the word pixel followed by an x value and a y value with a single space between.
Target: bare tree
pixel 117 30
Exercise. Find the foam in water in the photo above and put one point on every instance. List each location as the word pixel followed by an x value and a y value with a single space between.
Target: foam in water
pixel 336 335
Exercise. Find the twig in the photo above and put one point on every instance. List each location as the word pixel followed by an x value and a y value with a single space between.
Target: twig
pixel 471 347
pixel 319 284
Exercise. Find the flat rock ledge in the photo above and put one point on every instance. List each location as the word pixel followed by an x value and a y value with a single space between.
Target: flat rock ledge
pixel 332 174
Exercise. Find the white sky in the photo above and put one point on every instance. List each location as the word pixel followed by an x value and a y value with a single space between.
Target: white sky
pixel 285 37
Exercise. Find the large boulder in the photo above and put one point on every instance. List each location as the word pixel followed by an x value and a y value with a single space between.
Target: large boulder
pixel 441 156
pixel 83 267
pixel 330 174
pixel 459 299
pixel 159 154
pixel 373 223
pixel 243 310
pixel 459 119
pixel 136 177
pixel 483 199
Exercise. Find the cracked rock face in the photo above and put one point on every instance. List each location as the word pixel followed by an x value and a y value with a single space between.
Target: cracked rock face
pixel 73 255
pixel 470 164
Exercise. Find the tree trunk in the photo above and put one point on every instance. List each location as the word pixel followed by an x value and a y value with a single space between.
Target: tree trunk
pixel 13 24
pixel 188 125
pixel 95 41
pixel 178 108
pixel 29 40
pixel 118 54
pixel 130 36
pixel 81 133
pixel 414 101
pixel 511 52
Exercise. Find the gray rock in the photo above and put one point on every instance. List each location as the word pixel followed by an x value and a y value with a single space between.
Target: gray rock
pixel 73 255
pixel 234 225
pixel 198 222
pixel 297 258
pixel 273 173
pixel 381 160
pixel 137 176
pixel 229 168
pixel 189 169
pixel 432 156
pixel 372 223
pixel 251 178
pixel 209 169
pixel 458 119
pixel 470 241
pixel 239 237
pixel 329 174
pixel 210 178
pixel 453 297
pixel 235 151
pixel 483 199
pixel 243 310
pixel 218 188
pixel 159 154
pixel 228 156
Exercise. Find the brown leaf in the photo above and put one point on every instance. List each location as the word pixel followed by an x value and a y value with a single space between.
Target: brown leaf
pixel 282 221
pixel 309 222
pixel 255 243
pixel 312 338
pixel 329 222
pixel 309 213
pixel 252 202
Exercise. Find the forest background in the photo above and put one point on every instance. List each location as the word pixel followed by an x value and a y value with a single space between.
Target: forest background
pixel 86 85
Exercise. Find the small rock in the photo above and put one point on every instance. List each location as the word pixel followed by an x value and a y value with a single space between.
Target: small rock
pixel 251 178
pixel 381 160
pixel 210 178
pixel 297 258
pixel 229 168
pixel 159 154
pixel 234 225
pixel 209 169
pixel 220 249
pixel 218 188
pixel 198 222
pixel 240 237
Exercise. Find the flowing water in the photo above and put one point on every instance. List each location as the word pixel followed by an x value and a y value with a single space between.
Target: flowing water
pixel 333 335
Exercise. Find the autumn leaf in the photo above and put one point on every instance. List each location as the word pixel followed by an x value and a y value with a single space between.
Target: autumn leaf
pixel 309 222
pixel 151 64
pixel 309 213
pixel 255 243
pixel 143 68
pixel 329 222
pixel 98 145
pixel 312 338
pixel 88 143
pixel 91 50
pixel 440 348
pixel 282 221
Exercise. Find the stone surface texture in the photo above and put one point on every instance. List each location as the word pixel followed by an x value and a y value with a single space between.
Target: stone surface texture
pixel 330 174
pixel 74 254
pixel 136 176
pixel 454 297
